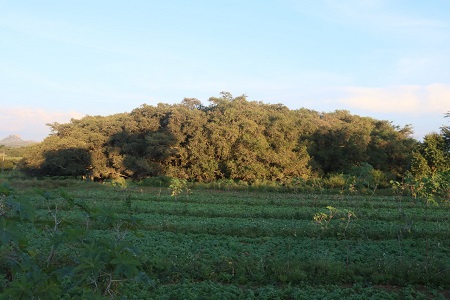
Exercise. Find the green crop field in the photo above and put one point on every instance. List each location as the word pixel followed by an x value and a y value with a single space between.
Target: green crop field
pixel 216 244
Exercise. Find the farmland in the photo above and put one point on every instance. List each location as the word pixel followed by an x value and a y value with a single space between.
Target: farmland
pixel 247 244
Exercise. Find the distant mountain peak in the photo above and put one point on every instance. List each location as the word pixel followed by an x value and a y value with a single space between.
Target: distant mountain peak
pixel 14 140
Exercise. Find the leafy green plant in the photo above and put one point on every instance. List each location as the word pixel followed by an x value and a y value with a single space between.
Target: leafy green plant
pixel 431 189
pixel 85 266
pixel 259 244
pixel 179 187
pixel 119 182
pixel 324 219
pixel 156 181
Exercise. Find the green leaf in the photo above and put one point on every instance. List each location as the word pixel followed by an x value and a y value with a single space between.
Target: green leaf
pixel 6 189
pixel 21 288
pixel 126 265
pixel 9 232
pixel 106 217
pixel 20 207
pixel 91 265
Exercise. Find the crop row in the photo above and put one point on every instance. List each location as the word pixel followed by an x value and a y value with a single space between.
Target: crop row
pixel 182 241
pixel 212 290
pixel 173 257
pixel 213 210
pixel 267 227
pixel 283 212
pixel 247 198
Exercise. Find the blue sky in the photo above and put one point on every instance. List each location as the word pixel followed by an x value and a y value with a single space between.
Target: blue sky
pixel 66 59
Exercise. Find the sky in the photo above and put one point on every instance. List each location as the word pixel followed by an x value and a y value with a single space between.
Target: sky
pixel 385 59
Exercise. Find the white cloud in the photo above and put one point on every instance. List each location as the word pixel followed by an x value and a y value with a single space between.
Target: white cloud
pixel 30 123
pixel 433 98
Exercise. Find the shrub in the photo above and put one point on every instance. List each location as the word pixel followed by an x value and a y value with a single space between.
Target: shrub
pixel 179 186
pixel 156 181
pixel 335 181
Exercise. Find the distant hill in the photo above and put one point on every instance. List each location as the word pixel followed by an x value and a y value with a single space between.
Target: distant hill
pixel 15 141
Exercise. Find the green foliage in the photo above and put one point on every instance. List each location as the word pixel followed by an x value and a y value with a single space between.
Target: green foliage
pixel 432 156
pixel 430 189
pixel 8 165
pixel 73 262
pixel 419 165
pixel 433 188
pixel 89 241
pixel 119 182
pixel 344 141
pixel 10 157
pixel 429 178
pixel 179 187
pixel 5 189
pixel 336 181
pixel 231 139
pixel 324 219
pixel 156 181
pixel 103 263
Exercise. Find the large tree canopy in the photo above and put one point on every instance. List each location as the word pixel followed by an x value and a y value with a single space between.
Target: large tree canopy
pixel 432 156
pixel 230 138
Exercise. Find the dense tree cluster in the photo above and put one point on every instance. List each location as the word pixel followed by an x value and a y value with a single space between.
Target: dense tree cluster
pixel 432 156
pixel 10 156
pixel 231 138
